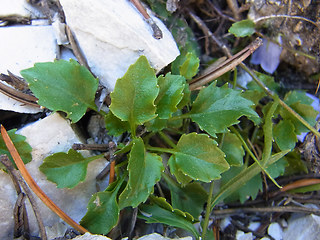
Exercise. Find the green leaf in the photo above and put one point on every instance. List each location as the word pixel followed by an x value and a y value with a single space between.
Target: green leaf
pixel 243 28
pixel 174 169
pixel 232 147
pixel 284 135
pixel 297 96
pixel 249 189
pixel 278 168
pixel 267 80
pixel 144 172
pixel 197 156
pixel 186 97
pixel 170 94
pixel 305 111
pixel 133 97
pixel 103 210
pixel 21 145
pixel 157 214
pixel 156 125
pixel 63 86
pixel 217 108
pixel 190 198
pixel 66 169
pixel 115 126
pixel 190 66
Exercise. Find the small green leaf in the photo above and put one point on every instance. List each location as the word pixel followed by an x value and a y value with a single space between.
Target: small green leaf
pixel 66 169
pixel 217 108
pixel 115 126
pixel 232 147
pixel 181 177
pixel 278 168
pixel 134 94
pixel 170 94
pixel 243 28
pixel 249 189
pixel 297 96
pixel 156 214
pixel 190 198
pixel 267 80
pixel 190 67
pixel 21 145
pixel 284 135
pixel 197 156
pixel 156 124
pixel 63 86
pixel 103 210
pixel 144 172
pixel 186 97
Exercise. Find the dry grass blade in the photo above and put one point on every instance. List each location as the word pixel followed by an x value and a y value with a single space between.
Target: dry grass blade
pixel 34 186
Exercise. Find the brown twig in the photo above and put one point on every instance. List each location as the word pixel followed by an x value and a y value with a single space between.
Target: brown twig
pixel 280 209
pixel 34 186
pixel 92 147
pixel 225 66
pixel 157 33
pixel 7 163
pixel 19 96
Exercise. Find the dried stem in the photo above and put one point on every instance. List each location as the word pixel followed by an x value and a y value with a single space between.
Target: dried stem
pixel 34 186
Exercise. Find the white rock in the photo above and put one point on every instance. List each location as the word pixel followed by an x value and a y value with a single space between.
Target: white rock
pixel 22 47
pixel 49 135
pixel 113 34
pixel 240 235
pixel 88 236
pixel 275 231
pixel 18 8
pixel 156 236
pixel 301 227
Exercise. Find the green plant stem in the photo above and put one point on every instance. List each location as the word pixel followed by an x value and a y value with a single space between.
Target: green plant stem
pixel 102 113
pixel 253 156
pixel 235 77
pixel 167 139
pixel 158 149
pixel 282 103
pixel 208 211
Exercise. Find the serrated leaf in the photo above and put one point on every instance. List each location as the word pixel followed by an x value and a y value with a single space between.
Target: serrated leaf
pixel 305 111
pixel 170 94
pixel 190 66
pixel 233 149
pixel 284 135
pixel 243 28
pixel 21 145
pixel 268 82
pixel 63 86
pixel 190 198
pixel 65 169
pixel 133 97
pixel 250 189
pixel 144 172
pixel 198 156
pixel 217 108
pixel 103 210
pixel 297 96
pixel 115 126
pixel 156 214
pixel 181 177
pixel 278 168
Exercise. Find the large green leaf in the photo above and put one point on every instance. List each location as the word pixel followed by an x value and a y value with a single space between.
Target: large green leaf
pixel 217 108
pixel 134 94
pixel 232 147
pixel 243 28
pixel 103 210
pixel 284 135
pixel 171 217
pixel 144 172
pixel 66 169
pixel 63 86
pixel 21 145
pixel 170 94
pixel 198 157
